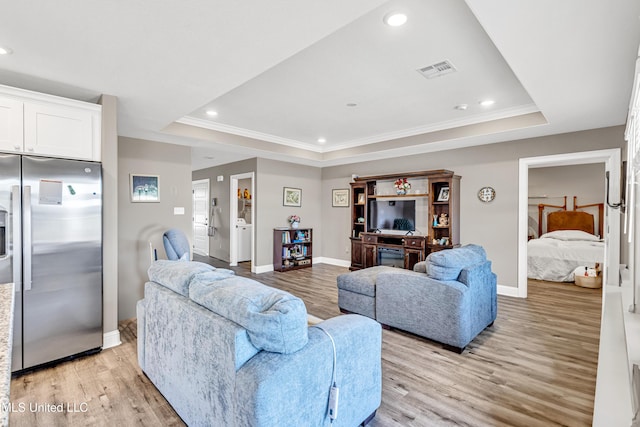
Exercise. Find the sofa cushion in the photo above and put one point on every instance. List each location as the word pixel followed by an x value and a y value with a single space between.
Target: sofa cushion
pixel 362 281
pixel 177 275
pixel 275 320
pixel 420 267
pixel 447 264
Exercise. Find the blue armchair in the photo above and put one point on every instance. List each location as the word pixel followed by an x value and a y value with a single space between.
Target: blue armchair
pixel 450 297
pixel 176 245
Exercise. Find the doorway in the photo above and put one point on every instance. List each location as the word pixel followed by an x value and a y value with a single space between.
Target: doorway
pixel 611 160
pixel 242 219
pixel 200 190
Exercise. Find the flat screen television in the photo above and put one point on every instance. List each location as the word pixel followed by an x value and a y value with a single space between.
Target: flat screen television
pixel 392 215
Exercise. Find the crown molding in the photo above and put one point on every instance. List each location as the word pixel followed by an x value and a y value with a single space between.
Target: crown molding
pixel 248 133
pixel 450 124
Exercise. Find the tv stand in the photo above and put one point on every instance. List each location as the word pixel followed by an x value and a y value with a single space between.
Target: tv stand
pixel 374 245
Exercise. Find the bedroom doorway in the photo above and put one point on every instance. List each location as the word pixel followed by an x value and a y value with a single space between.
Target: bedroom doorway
pixel 611 233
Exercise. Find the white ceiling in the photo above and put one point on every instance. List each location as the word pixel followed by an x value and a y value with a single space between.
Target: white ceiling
pixel 280 73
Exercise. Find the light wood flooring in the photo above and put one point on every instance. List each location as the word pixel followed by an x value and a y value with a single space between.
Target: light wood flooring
pixel 535 367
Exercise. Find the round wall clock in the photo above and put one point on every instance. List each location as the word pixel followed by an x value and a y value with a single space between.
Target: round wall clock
pixel 487 194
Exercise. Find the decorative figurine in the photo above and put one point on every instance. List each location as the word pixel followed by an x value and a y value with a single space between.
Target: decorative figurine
pixel 435 220
pixel 444 220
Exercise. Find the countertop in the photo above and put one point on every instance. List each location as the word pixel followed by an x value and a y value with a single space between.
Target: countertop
pixel 6 339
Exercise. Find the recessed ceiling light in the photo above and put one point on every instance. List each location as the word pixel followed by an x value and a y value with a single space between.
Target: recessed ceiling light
pixel 487 102
pixel 5 51
pixel 461 107
pixel 352 104
pixel 321 140
pixel 212 113
pixel 395 19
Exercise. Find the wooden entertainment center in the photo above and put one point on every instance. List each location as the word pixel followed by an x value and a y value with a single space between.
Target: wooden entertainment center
pixel 436 224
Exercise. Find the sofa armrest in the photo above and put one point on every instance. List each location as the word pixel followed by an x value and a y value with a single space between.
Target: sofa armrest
pixel 482 283
pixel 141 330
pixel 269 383
pixel 414 302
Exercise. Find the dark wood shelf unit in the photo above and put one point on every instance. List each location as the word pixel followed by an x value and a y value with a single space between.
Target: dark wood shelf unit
pixel 451 207
pixel 365 243
pixel 396 196
pixel 292 248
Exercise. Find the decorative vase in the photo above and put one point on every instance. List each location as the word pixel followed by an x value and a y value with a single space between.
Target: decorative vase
pixel 401 192
pixel 435 220
pixel 295 224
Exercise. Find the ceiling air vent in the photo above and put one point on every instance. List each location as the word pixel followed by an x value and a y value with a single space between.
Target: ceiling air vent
pixel 437 70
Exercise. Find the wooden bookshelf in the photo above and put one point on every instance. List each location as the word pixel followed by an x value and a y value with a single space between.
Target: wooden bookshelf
pixel 292 248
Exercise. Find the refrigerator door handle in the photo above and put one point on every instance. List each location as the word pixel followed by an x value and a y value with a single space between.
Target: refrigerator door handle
pixel 26 234
pixel 16 237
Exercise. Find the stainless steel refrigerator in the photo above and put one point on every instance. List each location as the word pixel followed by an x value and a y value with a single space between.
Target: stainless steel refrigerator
pixel 51 248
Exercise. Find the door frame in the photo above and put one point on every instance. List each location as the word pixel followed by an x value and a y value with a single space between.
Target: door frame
pixel 193 218
pixel 233 215
pixel 612 162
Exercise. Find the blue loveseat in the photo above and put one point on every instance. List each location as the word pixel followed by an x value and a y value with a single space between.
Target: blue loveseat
pixel 450 297
pixel 229 351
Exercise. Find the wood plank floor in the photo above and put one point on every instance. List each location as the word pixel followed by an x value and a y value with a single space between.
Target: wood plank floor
pixel 535 367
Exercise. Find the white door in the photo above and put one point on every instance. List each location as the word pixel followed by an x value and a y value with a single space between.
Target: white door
pixel 200 216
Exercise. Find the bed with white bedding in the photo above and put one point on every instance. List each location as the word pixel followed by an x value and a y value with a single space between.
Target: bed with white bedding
pixel 570 241
pixel 555 255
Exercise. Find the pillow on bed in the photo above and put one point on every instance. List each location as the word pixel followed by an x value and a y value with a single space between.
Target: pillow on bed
pixel 569 235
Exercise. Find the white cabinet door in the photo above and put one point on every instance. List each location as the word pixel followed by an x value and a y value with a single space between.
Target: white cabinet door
pixel 60 131
pixel 10 124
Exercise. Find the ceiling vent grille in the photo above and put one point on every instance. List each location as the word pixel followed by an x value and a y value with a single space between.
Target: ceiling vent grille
pixel 436 70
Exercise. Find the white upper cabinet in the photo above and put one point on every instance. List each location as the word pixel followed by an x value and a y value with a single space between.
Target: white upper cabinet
pixel 11 135
pixel 46 125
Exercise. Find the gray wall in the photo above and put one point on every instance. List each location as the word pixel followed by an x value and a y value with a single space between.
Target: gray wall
pixel 272 177
pixel 141 223
pixel 493 225
pixel 219 243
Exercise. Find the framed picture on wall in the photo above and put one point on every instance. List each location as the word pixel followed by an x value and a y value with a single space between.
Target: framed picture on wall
pixel 340 198
pixel 291 196
pixel 144 188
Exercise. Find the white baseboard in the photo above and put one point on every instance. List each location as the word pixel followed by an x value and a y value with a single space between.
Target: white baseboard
pixel 319 260
pixel 263 268
pixel 111 339
pixel 508 291
pixel 332 261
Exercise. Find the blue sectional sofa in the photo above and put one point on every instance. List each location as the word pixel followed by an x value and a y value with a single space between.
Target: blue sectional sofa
pixel 229 351
pixel 450 297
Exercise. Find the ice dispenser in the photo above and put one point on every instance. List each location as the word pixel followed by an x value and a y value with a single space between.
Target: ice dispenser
pixel 4 216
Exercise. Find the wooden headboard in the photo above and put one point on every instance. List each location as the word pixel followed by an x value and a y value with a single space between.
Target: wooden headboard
pixel 571 220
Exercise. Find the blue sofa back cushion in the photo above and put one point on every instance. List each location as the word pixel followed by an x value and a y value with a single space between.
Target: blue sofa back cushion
pixel 275 320
pixel 447 264
pixel 177 275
